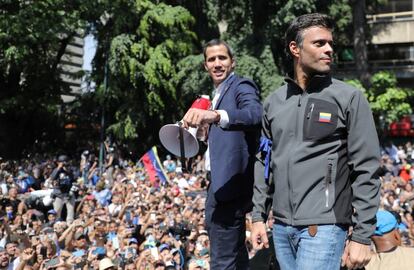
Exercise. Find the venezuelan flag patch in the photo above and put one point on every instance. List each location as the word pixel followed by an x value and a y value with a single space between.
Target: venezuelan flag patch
pixel 324 117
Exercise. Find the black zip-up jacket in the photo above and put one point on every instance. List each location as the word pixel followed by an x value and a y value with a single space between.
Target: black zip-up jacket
pixel 324 158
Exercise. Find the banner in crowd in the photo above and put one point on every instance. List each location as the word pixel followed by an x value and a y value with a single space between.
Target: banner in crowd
pixel 153 166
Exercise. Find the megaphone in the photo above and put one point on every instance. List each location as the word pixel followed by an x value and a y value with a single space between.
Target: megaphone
pixel 180 141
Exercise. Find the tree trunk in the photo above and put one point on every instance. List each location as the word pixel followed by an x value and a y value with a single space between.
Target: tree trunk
pixel 360 45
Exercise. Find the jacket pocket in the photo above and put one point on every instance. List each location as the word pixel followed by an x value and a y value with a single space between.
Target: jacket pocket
pixel 320 120
pixel 330 183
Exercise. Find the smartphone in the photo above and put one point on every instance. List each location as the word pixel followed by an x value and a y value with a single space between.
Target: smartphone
pixel 99 250
pixel 79 253
pixel 128 216
pixel 153 216
pixel 52 262
pixel 154 253
pixel 43 252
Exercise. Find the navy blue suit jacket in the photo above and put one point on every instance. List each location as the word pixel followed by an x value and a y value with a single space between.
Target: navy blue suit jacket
pixel 232 150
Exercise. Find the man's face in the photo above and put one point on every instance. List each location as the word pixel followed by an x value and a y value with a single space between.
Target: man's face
pixel 130 266
pixel 4 259
pixel 13 193
pixel 315 54
pixel 51 217
pixel 11 248
pixel 218 63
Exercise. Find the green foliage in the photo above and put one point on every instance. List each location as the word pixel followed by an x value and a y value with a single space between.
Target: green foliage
pixel 143 64
pixel 386 99
pixel 381 82
pixel 33 38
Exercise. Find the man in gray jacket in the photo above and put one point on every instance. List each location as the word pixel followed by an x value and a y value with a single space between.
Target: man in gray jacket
pixel 318 166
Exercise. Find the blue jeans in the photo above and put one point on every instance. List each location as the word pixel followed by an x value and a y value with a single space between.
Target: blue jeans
pixel 297 250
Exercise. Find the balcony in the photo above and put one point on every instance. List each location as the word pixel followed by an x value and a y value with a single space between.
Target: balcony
pixel 397 27
pixel 391 47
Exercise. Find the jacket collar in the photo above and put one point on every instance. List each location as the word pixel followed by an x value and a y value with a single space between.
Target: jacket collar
pixel 316 84
pixel 224 86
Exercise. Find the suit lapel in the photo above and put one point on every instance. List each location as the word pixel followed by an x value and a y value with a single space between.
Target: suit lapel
pixel 225 90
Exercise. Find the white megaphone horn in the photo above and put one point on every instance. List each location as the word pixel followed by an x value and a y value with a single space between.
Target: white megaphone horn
pixel 180 141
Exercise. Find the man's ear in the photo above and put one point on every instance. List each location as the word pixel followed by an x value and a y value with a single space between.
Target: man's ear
pixel 294 49
pixel 397 236
pixel 205 66
pixel 233 64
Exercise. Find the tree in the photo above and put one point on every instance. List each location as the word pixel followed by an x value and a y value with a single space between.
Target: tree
pixel 147 40
pixel 33 39
pixel 388 101
pixel 360 46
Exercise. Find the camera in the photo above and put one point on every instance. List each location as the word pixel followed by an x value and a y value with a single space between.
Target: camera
pixel 181 231
pixel 74 189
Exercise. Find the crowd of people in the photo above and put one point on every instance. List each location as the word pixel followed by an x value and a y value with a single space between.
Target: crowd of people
pixel 125 221
pixel 61 213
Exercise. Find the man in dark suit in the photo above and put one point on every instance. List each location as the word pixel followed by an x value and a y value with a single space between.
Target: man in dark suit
pixel 232 143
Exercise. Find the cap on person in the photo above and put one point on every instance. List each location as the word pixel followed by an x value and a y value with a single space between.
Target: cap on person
pixel 386 222
pixel 106 263
pixel 202 232
pixel 79 235
pixel 133 240
pixel 157 263
pixel 63 158
pixel 52 212
pixel 163 247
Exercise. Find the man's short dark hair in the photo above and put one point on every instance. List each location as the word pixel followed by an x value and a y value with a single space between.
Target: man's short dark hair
pixel 216 42
pixel 299 24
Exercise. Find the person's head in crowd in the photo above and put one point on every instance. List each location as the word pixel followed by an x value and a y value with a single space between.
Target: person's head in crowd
pixel 100 186
pixel 13 192
pixel 178 218
pixel 106 264
pixel 59 227
pixel 9 212
pixel 51 248
pixel 80 239
pixel 164 251
pixel 133 243
pixel 117 198
pixel 12 248
pixel 36 223
pixel 408 187
pixel 113 227
pixel 159 265
pixel 34 239
pixel 62 160
pixel 51 216
pixel 130 266
pixel 386 235
pixel 4 258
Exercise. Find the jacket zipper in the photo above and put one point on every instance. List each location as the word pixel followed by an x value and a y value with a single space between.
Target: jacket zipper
pixel 298 118
pixel 309 118
pixel 328 181
pixel 312 106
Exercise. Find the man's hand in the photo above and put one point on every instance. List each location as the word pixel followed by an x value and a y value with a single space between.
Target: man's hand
pixel 259 235
pixel 197 117
pixel 356 255
pixel 27 254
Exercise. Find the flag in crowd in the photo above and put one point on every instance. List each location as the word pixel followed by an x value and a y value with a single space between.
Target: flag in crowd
pixel 153 166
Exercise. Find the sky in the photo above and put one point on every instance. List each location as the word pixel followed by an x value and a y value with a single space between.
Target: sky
pixel 89 50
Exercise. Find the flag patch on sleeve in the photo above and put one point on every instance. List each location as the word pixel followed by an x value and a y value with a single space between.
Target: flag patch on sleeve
pixel 324 117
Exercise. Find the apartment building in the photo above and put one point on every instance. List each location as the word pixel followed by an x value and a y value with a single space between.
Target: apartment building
pixel 71 65
pixel 391 42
